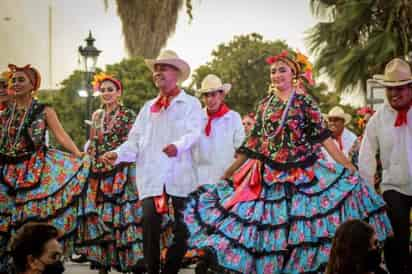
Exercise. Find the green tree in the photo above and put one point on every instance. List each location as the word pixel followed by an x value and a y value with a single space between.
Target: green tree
pixel 241 62
pixel 71 108
pixel 358 38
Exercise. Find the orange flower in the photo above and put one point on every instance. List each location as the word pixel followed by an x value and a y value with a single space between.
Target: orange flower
pixel 303 59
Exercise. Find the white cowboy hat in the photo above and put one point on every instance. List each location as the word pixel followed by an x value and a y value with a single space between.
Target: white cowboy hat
pixel 397 73
pixel 170 57
pixel 338 112
pixel 213 83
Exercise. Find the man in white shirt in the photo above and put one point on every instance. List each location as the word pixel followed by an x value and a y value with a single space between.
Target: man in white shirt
pixel 222 131
pixel 337 119
pixel 390 131
pixel 161 143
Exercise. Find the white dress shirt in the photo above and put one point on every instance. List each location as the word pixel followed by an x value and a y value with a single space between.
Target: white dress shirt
pixel 348 140
pixel 395 146
pixel 216 152
pixel 179 124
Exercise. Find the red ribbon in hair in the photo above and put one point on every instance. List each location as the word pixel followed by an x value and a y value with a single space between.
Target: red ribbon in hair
pixel 223 109
pixel 31 73
pixel 116 82
pixel 273 59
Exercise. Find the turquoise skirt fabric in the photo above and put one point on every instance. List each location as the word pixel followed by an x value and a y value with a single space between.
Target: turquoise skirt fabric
pixel 289 228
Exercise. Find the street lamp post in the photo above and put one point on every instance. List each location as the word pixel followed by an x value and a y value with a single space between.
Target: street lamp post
pixel 89 55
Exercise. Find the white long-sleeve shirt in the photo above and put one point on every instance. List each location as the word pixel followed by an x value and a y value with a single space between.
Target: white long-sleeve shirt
pixel 348 140
pixel 179 124
pixel 216 152
pixel 395 146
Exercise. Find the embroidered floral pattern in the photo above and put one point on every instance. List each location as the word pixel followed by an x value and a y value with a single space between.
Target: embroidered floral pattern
pixel 300 137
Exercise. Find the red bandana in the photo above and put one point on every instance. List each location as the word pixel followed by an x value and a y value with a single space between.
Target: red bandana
pixel 161 203
pixel 223 109
pixel 2 106
pixel 164 101
pixel 402 117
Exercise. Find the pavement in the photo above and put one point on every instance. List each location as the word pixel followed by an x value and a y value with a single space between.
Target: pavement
pixel 75 268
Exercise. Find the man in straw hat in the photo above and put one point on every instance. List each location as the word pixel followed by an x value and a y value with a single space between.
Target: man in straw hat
pixel 222 134
pixel 161 143
pixel 337 119
pixel 389 131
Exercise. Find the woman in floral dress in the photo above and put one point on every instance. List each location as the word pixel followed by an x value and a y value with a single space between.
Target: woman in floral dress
pixel 112 193
pixel 279 206
pixel 37 183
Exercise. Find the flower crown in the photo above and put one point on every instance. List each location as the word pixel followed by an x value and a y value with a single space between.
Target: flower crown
pixel 99 78
pixel 300 61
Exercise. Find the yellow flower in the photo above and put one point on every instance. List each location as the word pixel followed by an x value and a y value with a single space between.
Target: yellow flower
pixel 303 59
pixel 6 75
pixel 98 78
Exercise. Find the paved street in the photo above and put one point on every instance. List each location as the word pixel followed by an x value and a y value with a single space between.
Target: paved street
pixel 73 268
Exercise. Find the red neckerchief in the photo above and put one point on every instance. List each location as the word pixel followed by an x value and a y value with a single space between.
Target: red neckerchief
pixel 164 101
pixel 223 109
pixel 402 117
pixel 161 203
pixel 2 106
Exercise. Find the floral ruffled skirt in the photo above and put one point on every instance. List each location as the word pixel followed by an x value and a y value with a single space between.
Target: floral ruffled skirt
pixel 112 235
pixel 289 227
pixel 47 186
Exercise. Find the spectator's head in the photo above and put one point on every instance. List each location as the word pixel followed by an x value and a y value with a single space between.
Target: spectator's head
pixel 397 79
pixel 248 122
pixel 35 249
pixel 354 249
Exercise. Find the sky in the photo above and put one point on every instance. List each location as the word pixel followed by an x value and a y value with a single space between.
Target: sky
pixel 24 30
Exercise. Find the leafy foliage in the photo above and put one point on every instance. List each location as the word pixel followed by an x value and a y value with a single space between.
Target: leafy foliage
pixel 359 38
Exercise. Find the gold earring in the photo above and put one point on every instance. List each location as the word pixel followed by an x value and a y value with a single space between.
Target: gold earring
pixel 272 89
pixel 295 82
pixel 34 94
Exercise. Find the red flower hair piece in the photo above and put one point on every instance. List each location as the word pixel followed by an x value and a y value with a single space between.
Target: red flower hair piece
pixel 101 77
pixel 365 110
pixel 273 59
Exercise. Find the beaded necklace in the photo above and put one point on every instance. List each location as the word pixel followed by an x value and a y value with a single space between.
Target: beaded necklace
pixel 111 121
pixel 6 129
pixel 282 120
